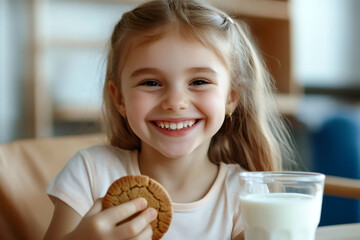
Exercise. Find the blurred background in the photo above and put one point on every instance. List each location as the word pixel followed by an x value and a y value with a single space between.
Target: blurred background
pixel 53 58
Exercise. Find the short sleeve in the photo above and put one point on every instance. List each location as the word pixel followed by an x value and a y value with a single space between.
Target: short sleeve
pixel 73 184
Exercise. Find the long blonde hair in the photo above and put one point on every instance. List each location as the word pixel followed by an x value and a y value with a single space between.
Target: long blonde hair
pixel 254 136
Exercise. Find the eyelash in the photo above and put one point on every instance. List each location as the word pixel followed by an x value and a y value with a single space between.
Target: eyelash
pixel 150 83
pixel 154 83
pixel 199 81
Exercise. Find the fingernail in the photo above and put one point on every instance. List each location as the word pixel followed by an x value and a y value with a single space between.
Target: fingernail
pixel 142 203
pixel 152 212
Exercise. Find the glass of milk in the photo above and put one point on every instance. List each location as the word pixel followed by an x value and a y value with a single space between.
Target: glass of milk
pixel 281 205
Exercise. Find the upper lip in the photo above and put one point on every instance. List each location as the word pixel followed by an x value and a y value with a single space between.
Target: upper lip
pixel 175 120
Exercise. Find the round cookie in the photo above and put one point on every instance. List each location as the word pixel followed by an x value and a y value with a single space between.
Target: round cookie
pixel 131 187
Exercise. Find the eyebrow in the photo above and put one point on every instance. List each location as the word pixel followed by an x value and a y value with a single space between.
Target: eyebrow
pixel 193 70
pixel 143 71
pixel 202 70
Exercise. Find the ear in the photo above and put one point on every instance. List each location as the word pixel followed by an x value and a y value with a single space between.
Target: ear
pixel 117 98
pixel 232 102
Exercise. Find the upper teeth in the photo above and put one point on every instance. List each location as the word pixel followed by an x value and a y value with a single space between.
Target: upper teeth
pixel 175 126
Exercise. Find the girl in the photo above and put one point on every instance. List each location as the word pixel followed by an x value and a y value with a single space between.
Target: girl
pixel 188 102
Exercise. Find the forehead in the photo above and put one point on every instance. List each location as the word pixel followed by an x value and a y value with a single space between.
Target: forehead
pixel 202 39
pixel 173 53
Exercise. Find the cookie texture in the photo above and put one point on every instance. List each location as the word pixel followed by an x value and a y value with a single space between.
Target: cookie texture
pixel 135 186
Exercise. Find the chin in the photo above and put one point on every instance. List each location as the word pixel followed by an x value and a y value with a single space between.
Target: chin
pixel 173 155
pixel 176 151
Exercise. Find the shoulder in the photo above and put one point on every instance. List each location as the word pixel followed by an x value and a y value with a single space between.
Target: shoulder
pixel 232 170
pixel 105 153
pixel 232 175
pixel 104 157
pixel 232 189
pixel 105 150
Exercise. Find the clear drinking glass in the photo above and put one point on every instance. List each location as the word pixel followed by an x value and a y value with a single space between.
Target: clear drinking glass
pixel 281 205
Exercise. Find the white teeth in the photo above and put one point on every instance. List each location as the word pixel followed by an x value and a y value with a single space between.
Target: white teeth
pixel 175 126
pixel 180 126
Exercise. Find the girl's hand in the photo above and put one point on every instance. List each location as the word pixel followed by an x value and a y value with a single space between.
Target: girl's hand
pixel 115 222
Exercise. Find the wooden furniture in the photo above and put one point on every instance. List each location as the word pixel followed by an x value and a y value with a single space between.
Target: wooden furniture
pixel 342 187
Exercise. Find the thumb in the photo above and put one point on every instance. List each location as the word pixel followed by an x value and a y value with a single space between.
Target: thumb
pixel 96 208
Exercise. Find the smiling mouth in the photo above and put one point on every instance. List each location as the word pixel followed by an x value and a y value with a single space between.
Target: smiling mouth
pixel 173 126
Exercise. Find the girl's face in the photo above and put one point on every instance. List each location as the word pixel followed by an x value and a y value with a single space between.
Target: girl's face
pixel 175 94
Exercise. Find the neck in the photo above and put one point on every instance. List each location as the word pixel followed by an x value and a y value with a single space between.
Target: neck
pixel 187 179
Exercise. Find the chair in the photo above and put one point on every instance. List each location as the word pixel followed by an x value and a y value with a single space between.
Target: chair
pixel 342 187
pixel 335 142
pixel 27 166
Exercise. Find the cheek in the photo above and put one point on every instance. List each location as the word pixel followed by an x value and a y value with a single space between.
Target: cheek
pixel 214 104
pixel 137 106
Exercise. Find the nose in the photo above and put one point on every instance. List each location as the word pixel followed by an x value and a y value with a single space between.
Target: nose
pixel 175 100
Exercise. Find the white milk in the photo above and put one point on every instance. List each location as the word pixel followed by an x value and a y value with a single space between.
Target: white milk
pixel 280 216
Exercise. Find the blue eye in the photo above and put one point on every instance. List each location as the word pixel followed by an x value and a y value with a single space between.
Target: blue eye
pixel 150 83
pixel 199 82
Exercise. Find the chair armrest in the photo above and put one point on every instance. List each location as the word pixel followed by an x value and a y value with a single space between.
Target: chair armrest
pixel 342 187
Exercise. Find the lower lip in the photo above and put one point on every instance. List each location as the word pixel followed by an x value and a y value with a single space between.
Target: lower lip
pixel 175 133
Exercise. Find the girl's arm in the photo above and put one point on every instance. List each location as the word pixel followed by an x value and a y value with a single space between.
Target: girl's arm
pixel 96 224
pixel 63 221
pixel 240 236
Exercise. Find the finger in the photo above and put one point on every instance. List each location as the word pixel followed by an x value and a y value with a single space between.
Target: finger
pixel 137 225
pixel 96 208
pixel 123 211
pixel 146 234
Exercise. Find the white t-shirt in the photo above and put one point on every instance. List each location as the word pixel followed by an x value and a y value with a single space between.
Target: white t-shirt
pixel 90 172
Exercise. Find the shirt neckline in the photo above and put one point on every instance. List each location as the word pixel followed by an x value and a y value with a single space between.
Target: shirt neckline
pixel 213 190
pixel 192 205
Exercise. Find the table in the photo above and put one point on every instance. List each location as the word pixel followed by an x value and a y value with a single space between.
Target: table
pixel 339 232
